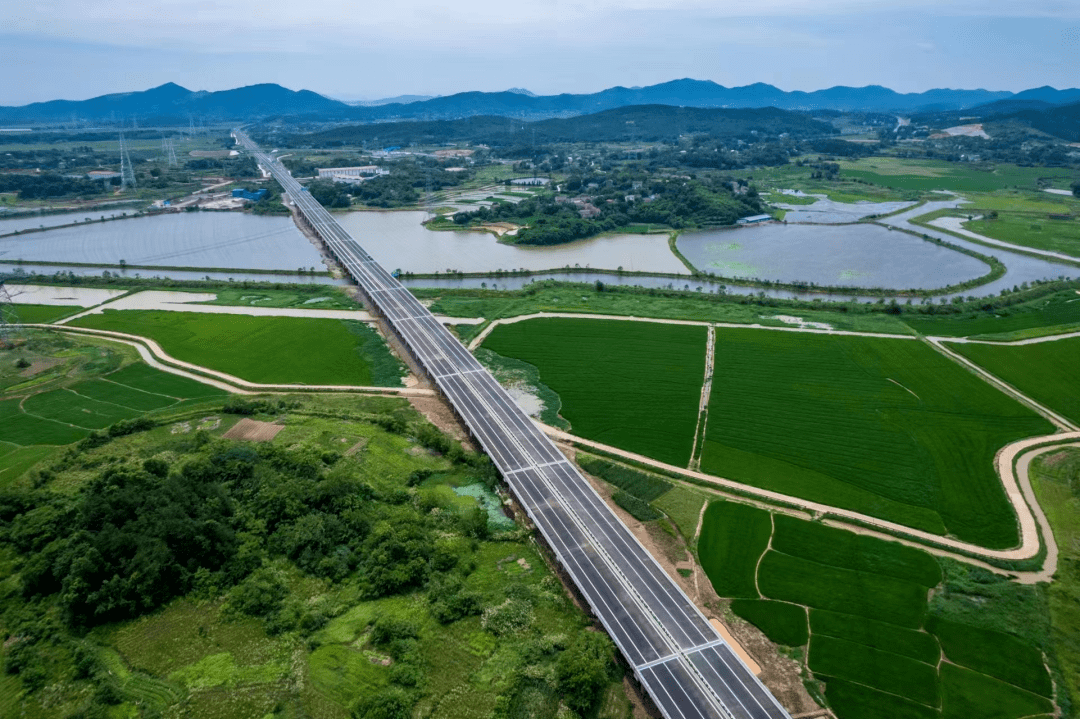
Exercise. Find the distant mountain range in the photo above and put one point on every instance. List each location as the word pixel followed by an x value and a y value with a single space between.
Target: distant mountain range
pixel 637 123
pixel 172 104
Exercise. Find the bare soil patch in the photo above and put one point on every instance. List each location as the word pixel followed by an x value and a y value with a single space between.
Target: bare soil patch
pixel 439 414
pixel 253 430
pixel 39 366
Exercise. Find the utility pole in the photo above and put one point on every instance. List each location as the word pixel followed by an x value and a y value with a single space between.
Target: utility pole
pixel 127 172
pixel 9 320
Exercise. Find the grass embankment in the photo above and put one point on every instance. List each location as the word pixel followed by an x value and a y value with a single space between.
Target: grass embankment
pixel 1045 371
pixel 633 385
pixel 585 299
pixel 1058 312
pixel 266 350
pixel 220 578
pixel 886 427
pixel 1025 218
pixel 1056 480
pixel 859 607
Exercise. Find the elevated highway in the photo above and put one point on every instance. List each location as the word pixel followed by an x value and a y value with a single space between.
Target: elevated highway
pixel 682 662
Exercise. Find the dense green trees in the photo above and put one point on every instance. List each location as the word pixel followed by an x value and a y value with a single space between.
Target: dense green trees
pixel 582 670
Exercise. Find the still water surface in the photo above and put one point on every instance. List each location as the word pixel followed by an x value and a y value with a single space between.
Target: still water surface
pixel 186 239
pixel 398 241
pixel 844 255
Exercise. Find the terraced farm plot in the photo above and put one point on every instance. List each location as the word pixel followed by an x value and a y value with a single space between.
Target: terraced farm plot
pixel 1046 371
pixel 20 428
pixel 887 427
pixel 872 640
pixel 268 350
pixel 62 416
pixel 839 548
pixel 143 377
pixel 633 385
pixel 782 623
pixel 64 405
pixel 919 645
pixel 733 537
pixel 872 667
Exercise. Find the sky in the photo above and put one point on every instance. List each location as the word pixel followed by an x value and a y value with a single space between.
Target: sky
pixel 361 49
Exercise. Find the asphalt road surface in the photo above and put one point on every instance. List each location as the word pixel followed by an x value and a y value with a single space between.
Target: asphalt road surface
pixel 683 663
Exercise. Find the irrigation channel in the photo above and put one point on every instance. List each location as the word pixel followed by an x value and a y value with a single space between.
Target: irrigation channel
pixel 679 658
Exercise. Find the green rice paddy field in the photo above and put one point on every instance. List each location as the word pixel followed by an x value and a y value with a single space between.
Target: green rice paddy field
pixel 633 385
pixel 886 427
pixel 1045 371
pixel 267 350
pixel 42 314
pixel 65 415
pixel 859 607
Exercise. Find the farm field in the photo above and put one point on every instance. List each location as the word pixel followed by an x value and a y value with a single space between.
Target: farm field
pixel 43 314
pixel 886 427
pixel 60 416
pixel 1032 230
pixel 267 350
pixel 1056 480
pixel 926 175
pixel 633 385
pixel 873 639
pixel 1059 310
pixel 1046 371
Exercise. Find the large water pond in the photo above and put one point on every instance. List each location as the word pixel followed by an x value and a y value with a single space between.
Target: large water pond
pixel 1018 268
pixel 398 240
pixel 186 239
pixel 32 221
pixel 846 255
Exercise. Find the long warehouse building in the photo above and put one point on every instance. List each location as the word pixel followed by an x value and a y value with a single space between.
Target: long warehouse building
pixel 682 662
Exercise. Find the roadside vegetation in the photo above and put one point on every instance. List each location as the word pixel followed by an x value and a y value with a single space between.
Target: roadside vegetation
pixel 358 565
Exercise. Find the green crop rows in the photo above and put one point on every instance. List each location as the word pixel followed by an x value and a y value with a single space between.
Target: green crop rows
pixel 62 416
pixel 871 638
pixel 911 643
pixel 1045 371
pixel 782 623
pixel 43 314
pixel 886 427
pixel 882 670
pixel 993 653
pixel 633 385
pixel 266 350
pixel 733 537
pixel 839 548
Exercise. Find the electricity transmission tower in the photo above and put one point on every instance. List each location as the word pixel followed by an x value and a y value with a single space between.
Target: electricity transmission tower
pixel 9 320
pixel 127 172
pixel 169 149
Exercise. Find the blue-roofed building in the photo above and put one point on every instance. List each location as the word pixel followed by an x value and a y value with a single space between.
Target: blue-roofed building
pixel 249 195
